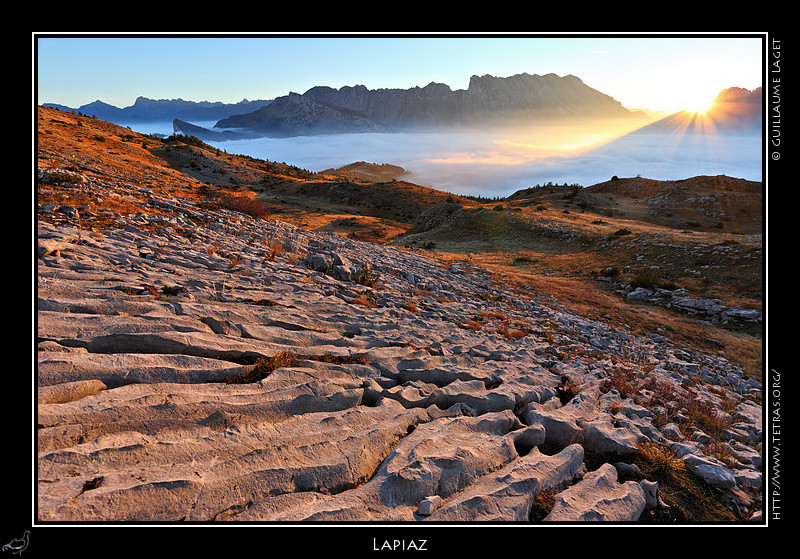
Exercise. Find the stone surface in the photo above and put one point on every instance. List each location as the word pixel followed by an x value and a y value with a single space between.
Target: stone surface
pixel 600 497
pixel 184 373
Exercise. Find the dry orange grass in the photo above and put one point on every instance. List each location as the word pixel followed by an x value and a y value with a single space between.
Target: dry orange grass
pixel 364 300
pixel 246 203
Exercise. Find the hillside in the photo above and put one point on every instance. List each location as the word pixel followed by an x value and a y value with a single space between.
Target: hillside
pixel 209 350
pixel 699 236
pixel 694 246
pixel 371 210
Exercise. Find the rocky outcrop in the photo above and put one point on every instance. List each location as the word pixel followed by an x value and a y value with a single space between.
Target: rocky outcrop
pixel 709 309
pixel 185 371
pixel 296 114
pixel 599 497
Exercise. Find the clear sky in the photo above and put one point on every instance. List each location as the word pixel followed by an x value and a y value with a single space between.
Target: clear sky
pixel 658 73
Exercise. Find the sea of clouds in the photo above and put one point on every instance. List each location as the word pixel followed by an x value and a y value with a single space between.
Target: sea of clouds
pixel 494 164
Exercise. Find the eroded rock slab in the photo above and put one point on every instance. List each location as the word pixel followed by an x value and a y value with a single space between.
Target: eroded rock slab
pixel 600 497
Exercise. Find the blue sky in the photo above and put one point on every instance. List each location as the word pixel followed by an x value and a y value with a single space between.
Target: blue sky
pixel 658 73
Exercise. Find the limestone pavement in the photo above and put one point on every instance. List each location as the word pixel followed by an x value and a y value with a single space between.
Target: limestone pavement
pixel 249 370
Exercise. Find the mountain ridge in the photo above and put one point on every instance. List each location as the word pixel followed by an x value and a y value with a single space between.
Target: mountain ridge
pixel 150 110
pixel 488 101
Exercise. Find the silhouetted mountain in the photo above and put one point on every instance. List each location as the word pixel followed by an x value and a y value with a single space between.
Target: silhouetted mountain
pixel 155 110
pixel 488 101
pixel 294 114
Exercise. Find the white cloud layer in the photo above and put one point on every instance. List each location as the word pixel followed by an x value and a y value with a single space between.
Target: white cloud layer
pixel 494 165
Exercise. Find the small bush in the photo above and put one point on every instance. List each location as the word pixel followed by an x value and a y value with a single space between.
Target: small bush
pixel 263 367
pixel 650 278
pixel 68 178
pixel 542 505
pixel 621 380
pixel 706 416
pixel 248 205
pixel 662 465
pixel 366 276
pixel 364 301
pixel 511 333
pixel 567 389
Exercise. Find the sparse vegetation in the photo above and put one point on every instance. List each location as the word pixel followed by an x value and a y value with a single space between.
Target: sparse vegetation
pixel 542 505
pixel 364 300
pixel 567 389
pixel 650 278
pixel 660 464
pixel 67 178
pixel 262 367
pixel 367 276
pixel 250 205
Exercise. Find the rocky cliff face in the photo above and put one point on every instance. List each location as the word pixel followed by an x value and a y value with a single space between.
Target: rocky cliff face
pixel 487 101
pixel 296 114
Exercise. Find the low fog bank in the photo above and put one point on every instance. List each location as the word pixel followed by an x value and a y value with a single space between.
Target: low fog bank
pixel 498 165
pixel 478 165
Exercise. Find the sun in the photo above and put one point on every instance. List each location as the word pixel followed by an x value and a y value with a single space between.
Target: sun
pixel 700 106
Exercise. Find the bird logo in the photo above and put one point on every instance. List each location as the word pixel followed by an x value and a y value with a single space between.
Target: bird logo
pixel 18 545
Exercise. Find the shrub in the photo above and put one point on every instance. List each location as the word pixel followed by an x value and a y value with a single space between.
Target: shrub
pixel 650 278
pixel 542 505
pixel 366 276
pixel 567 389
pixel 60 177
pixel 263 367
pixel 662 465
pixel 249 205
pixel 511 333
pixel 621 380
pixel 706 417
pixel 364 301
